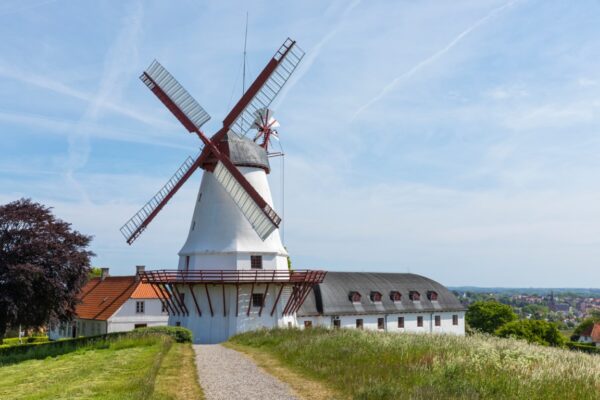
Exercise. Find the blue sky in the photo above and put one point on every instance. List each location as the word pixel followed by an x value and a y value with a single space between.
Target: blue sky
pixel 458 140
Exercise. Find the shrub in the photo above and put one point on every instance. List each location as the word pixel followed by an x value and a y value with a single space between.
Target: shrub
pixel 180 334
pixel 487 316
pixel 534 331
pixel 585 347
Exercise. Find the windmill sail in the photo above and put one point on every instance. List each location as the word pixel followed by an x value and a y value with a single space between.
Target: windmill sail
pixel 262 217
pixel 185 108
pixel 265 88
pixel 136 224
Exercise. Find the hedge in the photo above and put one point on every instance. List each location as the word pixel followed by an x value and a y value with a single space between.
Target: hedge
pixel 588 348
pixel 180 334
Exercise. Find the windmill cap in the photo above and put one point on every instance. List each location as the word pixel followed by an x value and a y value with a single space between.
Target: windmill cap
pixel 243 152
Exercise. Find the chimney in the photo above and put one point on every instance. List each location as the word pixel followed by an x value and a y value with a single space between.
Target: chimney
pixel 103 273
pixel 139 269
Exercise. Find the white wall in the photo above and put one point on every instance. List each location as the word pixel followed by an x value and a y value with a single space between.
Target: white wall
pixel 391 322
pixel 126 317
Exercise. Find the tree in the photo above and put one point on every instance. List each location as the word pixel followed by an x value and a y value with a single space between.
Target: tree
pixel 487 316
pixel 585 324
pixel 43 265
pixel 534 331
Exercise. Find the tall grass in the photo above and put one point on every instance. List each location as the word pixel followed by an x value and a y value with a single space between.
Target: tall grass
pixel 376 365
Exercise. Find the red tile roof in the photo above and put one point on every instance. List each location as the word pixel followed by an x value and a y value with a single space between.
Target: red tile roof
pixel 145 291
pixel 100 299
pixel 596 333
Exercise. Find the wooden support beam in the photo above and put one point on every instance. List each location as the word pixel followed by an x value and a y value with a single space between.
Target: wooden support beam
pixel 162 301
pixel 182 300
pixel 264 300
pixel 177 298
pixel 171 299
pixel 250 300
pixel 277 299
pixel 237 298
pixel 212 314
pixel 224 309
pixel 195 300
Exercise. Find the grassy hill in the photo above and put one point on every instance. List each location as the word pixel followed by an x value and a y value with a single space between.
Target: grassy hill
pixel 148 366
pixel 365 365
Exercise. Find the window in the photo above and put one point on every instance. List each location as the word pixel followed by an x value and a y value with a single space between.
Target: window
pixel 182 298
pixel 256 262
pixel 438 320
pixel 136 326
pixel 307 324
pixel 164 308
pixel 419 321
pixel 414 295
pixel 355 297
pixel 139 307
pixel 257 299
pixel 400 322
pixel 359 323
pixel 177 323
pixel 380 323
pixel 187 263
pixel 455 319
pixel 375 297
pixel 337 323
pixel 432 296
pixel 395 296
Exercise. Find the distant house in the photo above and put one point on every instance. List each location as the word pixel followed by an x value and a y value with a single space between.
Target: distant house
pixel 114 304
pixel 591 335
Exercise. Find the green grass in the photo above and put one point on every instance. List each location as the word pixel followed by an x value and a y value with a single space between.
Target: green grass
pixel 124 368
pixel 375 365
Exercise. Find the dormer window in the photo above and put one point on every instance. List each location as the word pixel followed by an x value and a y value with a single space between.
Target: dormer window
pixel 375 297
pixel 395 296
pixel 414 295
pixel 432 296
pixel 355 297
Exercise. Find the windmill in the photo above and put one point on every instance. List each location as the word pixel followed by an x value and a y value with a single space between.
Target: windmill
pixel 214 155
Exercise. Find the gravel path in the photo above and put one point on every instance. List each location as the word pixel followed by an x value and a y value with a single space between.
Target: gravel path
pixel 226 374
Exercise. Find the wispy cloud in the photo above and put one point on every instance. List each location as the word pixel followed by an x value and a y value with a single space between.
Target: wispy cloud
pixel 122 52
pixel 315 51
pixel 431 59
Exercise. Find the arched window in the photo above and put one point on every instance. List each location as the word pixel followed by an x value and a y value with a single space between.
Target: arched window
pixel 414 295
pixel 432 296
pixel 355 297
pixel 376 297
pixel 395 296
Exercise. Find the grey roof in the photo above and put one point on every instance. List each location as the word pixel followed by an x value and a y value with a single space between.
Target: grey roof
pixel 244 152
pixel 332 296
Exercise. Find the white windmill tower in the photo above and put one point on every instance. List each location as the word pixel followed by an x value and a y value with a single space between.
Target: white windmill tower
pixel 232 274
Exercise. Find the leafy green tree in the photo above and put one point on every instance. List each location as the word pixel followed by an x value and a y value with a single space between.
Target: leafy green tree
pixel 95 272
pixel 487 316
pixel 585 324
pixel 43 265
pixel 534 331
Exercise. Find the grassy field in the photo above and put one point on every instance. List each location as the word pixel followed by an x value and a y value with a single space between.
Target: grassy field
pixel 143 367
pixel 365 365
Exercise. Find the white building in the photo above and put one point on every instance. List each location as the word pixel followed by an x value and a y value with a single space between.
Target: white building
pixel 383 301
pixel 113 304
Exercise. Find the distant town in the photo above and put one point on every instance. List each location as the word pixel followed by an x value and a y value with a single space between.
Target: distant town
pixel 565 306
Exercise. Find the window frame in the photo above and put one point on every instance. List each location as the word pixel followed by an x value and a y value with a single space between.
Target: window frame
pixel 437 320
pixel 360 323
pixel 256 261
pixel 337 324
pixel 140 307
pixel 308 324
pixel 455 319
pixel 419 321
pixel 375 297
pixel 380 323
pixel 413 295
pixel 256 304
pixel 432 295
pixel 400 322
pixel 396 296
pixel 355 297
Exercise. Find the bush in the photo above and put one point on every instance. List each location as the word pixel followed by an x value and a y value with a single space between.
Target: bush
pixel 180 334
pixel 585 347
pixel 534 331
pixel 488 316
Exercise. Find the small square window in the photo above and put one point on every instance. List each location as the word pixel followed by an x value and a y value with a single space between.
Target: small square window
pixel 455 319
pixel 139 307
pixel 380 323
pixel 257 300
pixel 337 323
pixel 438 320
pixel 177 323
pixel 256 262
pixel 307 324
pixel 359 323
pixel 420 321
pixel 400 322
